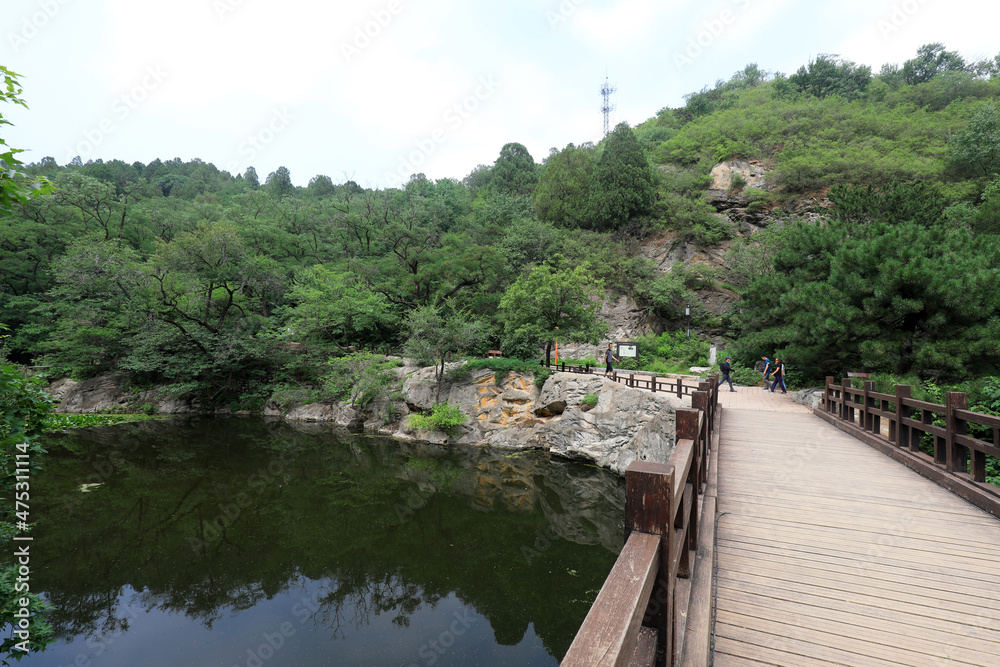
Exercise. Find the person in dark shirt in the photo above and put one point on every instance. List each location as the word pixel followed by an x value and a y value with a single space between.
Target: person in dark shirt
pixel 609 356
pixel 779 375
pixel 725 368
pixel 767 371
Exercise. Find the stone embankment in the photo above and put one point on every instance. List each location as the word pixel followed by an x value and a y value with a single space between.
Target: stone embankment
pixel 509 412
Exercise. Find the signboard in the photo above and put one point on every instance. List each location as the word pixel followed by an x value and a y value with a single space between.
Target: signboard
pixel 627 350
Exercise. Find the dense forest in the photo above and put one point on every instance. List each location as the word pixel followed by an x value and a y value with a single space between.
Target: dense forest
pixel 184 276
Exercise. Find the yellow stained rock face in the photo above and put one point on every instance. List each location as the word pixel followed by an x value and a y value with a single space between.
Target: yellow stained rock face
pixel 487 402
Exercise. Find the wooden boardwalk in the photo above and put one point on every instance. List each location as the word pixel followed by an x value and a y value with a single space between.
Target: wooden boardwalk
pixel 830 553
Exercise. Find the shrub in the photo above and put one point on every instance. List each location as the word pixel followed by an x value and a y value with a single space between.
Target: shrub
pixel 443 417
pixel 746 377
pixel 589 399
pixel 737 182
pixel 361 377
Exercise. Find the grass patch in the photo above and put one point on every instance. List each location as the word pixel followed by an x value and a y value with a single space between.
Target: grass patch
pixel 63 422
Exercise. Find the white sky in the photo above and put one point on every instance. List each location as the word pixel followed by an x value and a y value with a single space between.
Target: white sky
pixel 436 86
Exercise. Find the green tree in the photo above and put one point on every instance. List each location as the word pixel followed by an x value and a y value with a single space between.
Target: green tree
pixel 514 171
pixel 976 149
pixel 435 336
pixel 624 185
pixel 917 201
pixel 93 313
pixel 362 378
pixel 886 296
pixel 829 75
pixel 564 190
pixel 931 60
pixel 320 186
pixel 337 307
pixel 15 186
pixel 550 303
pixel 250 176
pixel 986 219
pixel 279 183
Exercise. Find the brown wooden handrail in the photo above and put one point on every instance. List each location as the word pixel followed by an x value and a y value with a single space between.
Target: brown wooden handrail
pixel 636 609
pixel 631 379
pixel 959 460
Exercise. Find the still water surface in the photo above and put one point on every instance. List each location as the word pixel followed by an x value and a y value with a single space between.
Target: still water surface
pixel 243 542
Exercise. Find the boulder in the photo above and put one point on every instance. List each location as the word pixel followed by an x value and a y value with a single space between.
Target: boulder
pixel 626 424
pixel 811 398
pixel 100 394
pixel 490 406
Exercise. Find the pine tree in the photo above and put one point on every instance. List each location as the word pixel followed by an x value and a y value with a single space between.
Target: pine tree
pixel 624 185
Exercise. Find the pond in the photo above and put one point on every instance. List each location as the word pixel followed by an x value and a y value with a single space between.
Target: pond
pixel 244 542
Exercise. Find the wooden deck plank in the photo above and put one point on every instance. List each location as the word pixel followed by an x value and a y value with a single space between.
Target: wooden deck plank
pixel 850 586
pixel 931 641
pixel 915 617
pixel 830 553
pixel 958 590
pixel 800 650
pixel 833 637
pixel 862 547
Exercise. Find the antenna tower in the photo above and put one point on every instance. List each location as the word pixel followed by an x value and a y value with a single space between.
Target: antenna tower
pixel 606 91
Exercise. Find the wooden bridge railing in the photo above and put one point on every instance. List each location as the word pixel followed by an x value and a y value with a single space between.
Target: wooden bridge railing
pixel 632 379
pixel 887 422
pixel 637 612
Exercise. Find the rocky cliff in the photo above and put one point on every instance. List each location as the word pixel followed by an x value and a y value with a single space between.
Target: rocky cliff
pixel 512 413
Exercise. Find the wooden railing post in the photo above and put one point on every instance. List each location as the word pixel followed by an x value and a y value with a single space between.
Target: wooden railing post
pixel 957 456
pixel 869 419
pixel 689 429
pixel 904 434
pixel 828 394
pixel 846 411
pixel 648 501
pixel 701 401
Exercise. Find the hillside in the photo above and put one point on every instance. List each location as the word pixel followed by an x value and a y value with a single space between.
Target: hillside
pixel 839 218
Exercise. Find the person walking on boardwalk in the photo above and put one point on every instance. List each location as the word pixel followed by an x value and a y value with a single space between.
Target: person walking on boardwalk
pixel 608 357
pixel 767 371
pixel 726 368
pixel 779 375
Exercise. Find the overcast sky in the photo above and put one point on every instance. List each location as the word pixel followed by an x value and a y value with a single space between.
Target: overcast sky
pixel 376 90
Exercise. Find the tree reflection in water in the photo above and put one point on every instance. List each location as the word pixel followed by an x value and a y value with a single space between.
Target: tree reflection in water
pixel 209 518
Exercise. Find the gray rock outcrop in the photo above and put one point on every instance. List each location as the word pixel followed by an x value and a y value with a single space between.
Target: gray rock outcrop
pixel 811 398
pixel 626 424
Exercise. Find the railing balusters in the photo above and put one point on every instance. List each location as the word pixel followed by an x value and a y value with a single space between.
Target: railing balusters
pixel 661 500
pixel 955 453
